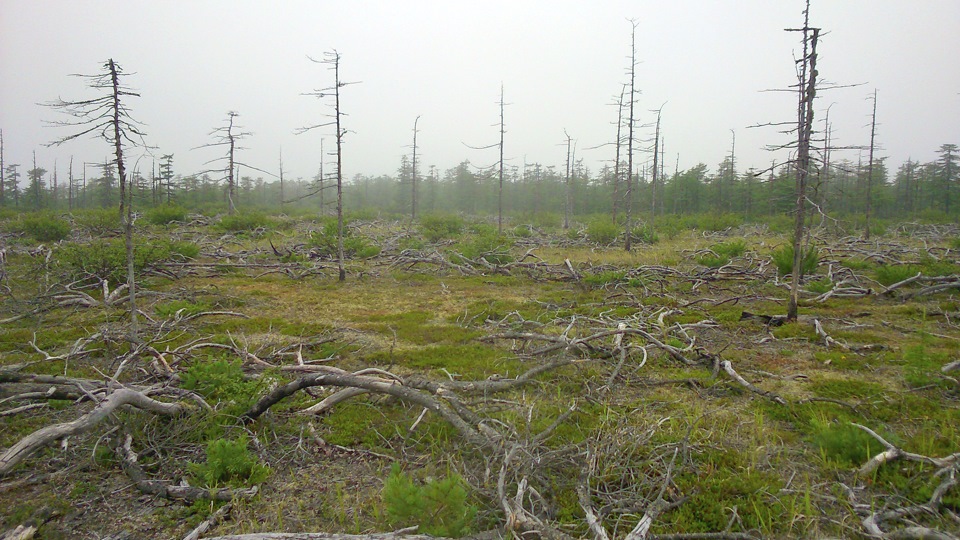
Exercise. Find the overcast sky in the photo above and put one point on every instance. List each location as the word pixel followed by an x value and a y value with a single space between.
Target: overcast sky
pixel 561 64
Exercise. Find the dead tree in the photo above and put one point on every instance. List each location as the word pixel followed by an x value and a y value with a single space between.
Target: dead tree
pixel 616 161
pixel 3 178
pixel 873 134
pixel 656 169
pixel 107 117
pixel 568 199
pixel 228 136
pixel 500 185
pixel 628 227
pixel 413 173
pixel 806 91
pixel 332 59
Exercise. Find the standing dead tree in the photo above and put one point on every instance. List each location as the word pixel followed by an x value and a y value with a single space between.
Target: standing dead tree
pixel 568 198
pixel 628 203
pixel 616 160
pixel 873 135
pixel 499 146
pixel 413 173
pixel 807 91
pixel 332 60
pixel 228 136
pixel 107 117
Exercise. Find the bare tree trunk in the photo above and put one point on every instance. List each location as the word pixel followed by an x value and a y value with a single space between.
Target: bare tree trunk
pixel 656 170
pixel 69 184
pixel 336 73
pixel 413 173
pixel 231 180
pixel 873 133
pixel 616 162
pixel 500 188
pixel 628 227
pixel 568 195
pixel 3 178
pixel 126 210
pixel 807 91
pixel 281 172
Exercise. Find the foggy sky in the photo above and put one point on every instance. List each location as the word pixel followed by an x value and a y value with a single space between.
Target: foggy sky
pixel 561 64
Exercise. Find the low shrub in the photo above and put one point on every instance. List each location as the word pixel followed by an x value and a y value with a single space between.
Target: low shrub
pixel 438 507
pixel 324 242
pixel 99 222
pixel 888 274
pixel 107 259
pixel 602 231
pixel 783 258
pixel 229 462
pixel 163 215
pixel 438 227
pixel 243 222
pixel 645 234
pixel 493 248
pixel 45 227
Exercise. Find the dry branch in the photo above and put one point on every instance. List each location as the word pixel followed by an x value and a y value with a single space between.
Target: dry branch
pixel 128 460
pixel 44 436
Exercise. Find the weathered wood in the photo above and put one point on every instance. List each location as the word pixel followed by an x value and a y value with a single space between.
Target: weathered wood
pixel 30 444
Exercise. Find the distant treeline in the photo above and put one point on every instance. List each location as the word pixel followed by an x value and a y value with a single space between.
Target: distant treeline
pixel 916 189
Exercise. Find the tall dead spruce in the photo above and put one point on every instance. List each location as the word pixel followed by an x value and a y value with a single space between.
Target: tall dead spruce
pixel 628 203
pixel 332 60
pixel 228 136
pixel 806 93
pixel 107 117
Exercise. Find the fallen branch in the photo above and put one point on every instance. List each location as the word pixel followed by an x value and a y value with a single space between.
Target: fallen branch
pixel 128 460
pixel 44 436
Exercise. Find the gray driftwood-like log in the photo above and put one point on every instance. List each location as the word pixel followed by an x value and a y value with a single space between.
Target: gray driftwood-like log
pixel 30 444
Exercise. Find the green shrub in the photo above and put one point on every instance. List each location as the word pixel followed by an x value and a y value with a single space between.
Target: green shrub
pixel 440 227
pixel 821 286
pixel 243 222
pixel 603 278
pixel 644 233
pixel 325 242
pixel 845 444
pixel 45 227
pixel 229 462
pixel 602 231
pixel 888 274
pixel 221 381
pixel 107 259
pixel 720 254
pixel 711 260
pixel 100 222
pixel 492 248
pixel 163 215
pixel 731 249
pixel 185 308
pixel 783 258
pixel 438 507
pixel 185 249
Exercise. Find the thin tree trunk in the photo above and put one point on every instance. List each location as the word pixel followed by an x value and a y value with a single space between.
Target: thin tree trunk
pixel 873 133
pixel 807 90
pixel 629 202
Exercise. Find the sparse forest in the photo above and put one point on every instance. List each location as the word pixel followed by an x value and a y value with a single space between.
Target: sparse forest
pixel 537 351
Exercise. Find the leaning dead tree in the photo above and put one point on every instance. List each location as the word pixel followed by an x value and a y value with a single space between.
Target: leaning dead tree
pixel 332 60
pixel 107 117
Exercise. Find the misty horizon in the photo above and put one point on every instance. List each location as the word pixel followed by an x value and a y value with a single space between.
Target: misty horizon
pixel 561 65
